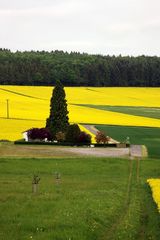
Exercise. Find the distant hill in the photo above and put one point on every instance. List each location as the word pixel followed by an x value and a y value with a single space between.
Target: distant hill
pixel 76 69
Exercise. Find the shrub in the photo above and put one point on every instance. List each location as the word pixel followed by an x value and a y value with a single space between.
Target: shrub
pixel 39 133
pixel 60 136
pixel 4 140
pixel 84 138
pixel 36 179
pixel 102 138
pixel 73 133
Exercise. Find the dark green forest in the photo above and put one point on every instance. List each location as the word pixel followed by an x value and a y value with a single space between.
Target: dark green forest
pixel 76 69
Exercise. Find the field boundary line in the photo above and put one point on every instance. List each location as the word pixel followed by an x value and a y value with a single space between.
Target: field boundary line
pixel 22 94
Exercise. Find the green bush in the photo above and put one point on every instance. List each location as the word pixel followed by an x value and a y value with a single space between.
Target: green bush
pixel 73 133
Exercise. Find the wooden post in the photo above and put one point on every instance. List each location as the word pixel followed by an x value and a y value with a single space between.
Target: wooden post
pixel 57 178
pixel 7 108
pixel 34 187
pixel 35 182
pixel 138 162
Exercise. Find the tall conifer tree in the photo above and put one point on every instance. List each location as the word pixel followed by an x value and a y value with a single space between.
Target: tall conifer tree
pixel 58 120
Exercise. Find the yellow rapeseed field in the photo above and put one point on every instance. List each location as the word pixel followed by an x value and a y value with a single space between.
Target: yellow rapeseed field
pixel 82 128
pixel 29 107
pixel 11 129
pixel 155 187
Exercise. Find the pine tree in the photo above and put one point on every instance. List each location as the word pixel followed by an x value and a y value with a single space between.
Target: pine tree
pixel 58 120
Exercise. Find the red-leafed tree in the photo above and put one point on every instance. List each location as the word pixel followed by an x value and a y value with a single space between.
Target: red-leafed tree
pixel 39 133
pixel 102 138
pixel 84 138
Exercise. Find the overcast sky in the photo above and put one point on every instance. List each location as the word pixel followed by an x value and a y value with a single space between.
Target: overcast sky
pixel 127 27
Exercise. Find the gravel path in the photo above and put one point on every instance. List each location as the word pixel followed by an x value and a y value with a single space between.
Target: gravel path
pixel 136 151
pixel 100 152
pixel 94 130
pixel 6 150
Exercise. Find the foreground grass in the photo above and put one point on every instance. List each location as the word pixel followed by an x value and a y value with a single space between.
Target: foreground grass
pixel 138 135
pixel 96 199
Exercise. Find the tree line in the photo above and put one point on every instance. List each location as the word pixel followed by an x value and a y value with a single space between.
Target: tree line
pixel 77 69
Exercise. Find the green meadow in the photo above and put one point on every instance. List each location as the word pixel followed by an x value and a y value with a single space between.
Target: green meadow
pixel 95 199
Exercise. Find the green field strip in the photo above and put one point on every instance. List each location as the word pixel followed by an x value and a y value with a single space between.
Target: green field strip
pixel 148 136
pixel 150 112
pixel 21 94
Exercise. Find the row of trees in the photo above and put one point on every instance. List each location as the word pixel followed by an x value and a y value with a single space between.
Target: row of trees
pixel 73 135
pixel 75 69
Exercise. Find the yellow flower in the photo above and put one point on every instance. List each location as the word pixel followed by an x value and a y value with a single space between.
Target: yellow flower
pixel 29 107
pixel 88 132
pixel 155 187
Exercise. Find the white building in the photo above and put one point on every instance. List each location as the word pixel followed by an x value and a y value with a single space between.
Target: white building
pixel 25 136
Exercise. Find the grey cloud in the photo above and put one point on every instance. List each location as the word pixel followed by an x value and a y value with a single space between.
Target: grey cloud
pixel 104 26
